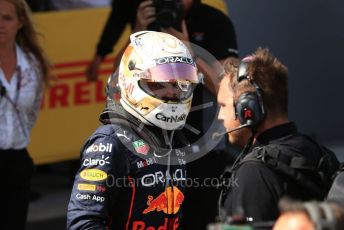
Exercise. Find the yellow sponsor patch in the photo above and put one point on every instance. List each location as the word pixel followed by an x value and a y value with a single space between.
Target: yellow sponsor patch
pixel 87 187
pixel 93 175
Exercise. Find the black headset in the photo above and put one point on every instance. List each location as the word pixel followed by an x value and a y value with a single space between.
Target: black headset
pixel 249 107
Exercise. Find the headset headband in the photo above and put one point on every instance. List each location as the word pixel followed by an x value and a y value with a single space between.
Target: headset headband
pixel 249 106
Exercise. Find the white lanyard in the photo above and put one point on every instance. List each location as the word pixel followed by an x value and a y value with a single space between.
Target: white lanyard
pixel 14 102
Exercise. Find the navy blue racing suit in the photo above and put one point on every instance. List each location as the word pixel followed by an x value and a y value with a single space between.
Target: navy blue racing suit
pixel 122 183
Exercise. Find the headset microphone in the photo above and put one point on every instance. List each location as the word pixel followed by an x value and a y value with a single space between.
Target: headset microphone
pixel 217 135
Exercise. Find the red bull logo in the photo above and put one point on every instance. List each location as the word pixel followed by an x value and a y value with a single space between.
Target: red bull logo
pixel 168 202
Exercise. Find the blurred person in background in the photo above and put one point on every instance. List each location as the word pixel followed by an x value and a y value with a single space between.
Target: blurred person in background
pixel 142 15
pixel 296 215
pixel 24 71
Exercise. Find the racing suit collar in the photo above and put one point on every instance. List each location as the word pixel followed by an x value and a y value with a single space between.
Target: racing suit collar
pixel 117 115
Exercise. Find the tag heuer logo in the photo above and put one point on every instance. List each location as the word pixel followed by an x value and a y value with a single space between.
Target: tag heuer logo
pixel 141 147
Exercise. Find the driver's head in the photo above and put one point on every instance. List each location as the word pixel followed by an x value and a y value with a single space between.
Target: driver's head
pixel 157 76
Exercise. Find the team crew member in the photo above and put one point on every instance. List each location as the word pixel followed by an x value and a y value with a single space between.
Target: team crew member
pixel 254 95
pixel 131 175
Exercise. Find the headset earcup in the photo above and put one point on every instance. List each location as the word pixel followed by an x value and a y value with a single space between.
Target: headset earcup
pixel 248 110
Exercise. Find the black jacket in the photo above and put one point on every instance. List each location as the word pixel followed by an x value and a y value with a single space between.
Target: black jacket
pixel 257 187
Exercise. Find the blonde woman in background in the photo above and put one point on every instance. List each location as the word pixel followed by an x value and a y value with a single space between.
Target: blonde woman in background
pixel 24 71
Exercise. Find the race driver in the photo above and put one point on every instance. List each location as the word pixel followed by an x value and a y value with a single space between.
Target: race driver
pixel 132 173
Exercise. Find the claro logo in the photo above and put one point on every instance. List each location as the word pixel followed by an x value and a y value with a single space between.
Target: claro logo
pixel 94 162
pixel 93 175
pixel 171 119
